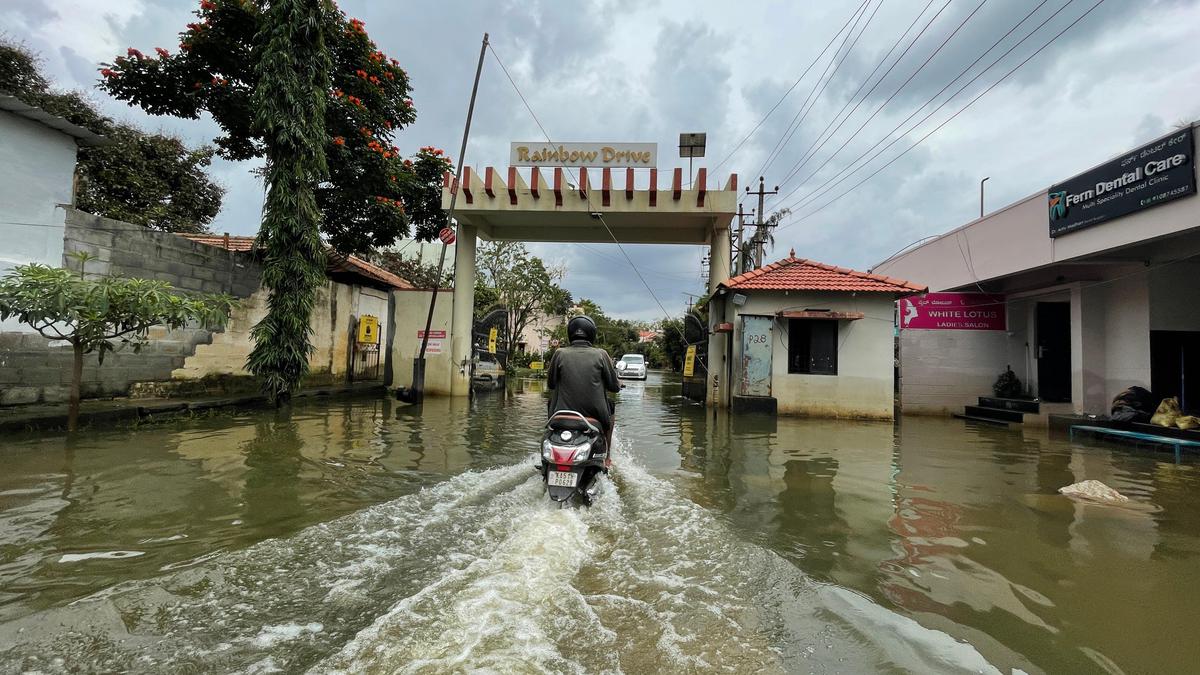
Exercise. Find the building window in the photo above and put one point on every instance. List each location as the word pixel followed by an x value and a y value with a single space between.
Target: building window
pixel 812 346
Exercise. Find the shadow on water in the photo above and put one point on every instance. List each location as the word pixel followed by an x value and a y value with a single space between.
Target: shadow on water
pixel 369 536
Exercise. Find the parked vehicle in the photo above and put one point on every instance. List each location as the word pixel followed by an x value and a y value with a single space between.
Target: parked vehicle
pixel 632 366
pixel 487 372
pixel 574 455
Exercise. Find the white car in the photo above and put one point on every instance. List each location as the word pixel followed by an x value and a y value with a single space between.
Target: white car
pixel 632 366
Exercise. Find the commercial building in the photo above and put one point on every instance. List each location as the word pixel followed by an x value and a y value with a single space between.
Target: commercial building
pixel 811 339
pixel 1099 285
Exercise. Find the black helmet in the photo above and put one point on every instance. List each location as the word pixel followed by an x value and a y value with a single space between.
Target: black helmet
pixel 581 328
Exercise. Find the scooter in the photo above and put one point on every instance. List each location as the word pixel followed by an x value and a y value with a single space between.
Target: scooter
pixel 574 455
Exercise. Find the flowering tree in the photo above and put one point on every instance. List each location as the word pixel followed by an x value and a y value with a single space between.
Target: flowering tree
pixel 371 195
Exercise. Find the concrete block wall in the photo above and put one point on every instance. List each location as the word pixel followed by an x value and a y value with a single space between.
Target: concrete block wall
pixel 127 250
pixel 36 370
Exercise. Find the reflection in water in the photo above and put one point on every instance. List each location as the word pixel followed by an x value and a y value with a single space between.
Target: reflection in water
pixel 368 535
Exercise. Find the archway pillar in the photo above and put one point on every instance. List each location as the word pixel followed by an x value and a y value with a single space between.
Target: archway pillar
pixel 719 259
pixel 462 319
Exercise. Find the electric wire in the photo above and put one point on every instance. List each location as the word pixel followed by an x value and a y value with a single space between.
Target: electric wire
pixel 889 99
pixel 814 95
pixel 789 91
pixel 947 120
pixel 815 148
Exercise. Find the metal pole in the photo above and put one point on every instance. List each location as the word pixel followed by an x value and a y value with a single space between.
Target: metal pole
pixel 981 196
pixel 419 364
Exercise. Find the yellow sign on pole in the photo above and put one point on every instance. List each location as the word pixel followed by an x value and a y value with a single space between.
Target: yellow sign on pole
pixel 536 365
pixel 492 340
pixel 689 361
pixel 368 329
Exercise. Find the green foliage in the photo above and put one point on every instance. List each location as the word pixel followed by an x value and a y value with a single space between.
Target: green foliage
pixel 520 282
pixel 146 179
pixel 370 196
pixel 95 315
pixel 1008 385
pixel 292 73
pixel 98 314
pixel 413 270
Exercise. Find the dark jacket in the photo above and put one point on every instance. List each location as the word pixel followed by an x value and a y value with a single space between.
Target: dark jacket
pixel 578 377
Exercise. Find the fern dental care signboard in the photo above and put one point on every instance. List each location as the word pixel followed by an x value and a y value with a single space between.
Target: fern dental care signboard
pixel 953 311
pixel 600 155
pixel 1153 174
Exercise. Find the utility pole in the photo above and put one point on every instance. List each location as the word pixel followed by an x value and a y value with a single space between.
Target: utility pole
pixel 738 267
pixel 418 384
pixel 761 226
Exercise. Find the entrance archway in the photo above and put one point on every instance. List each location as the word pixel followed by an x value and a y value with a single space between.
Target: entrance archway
pixel 542 206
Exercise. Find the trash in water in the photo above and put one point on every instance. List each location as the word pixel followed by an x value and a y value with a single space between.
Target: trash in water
pixel 1093 490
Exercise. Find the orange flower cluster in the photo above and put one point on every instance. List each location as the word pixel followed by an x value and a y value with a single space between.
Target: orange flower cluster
pixel 361 73
pixel 432 150
pixel 107 72
pixel 408 102
pixel 356 101
pixel 390 202
pixel 356 26
pixel 197 27
pixel 377 57
pixel 208 4
pixel 134 53
pixel 162 52
pixel 339 93
pixel 219 82
pixel 338 140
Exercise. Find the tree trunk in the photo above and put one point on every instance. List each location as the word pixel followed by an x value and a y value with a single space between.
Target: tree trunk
pixel 76 381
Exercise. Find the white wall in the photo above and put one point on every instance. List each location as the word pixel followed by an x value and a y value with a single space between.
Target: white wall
pixel 943 370
pixel 1017 238
pixel 1175 297
pixel 411 310
pixel 37 167
pixel 864 385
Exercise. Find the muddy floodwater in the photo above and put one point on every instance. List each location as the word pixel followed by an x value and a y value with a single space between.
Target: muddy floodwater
pixel 364 536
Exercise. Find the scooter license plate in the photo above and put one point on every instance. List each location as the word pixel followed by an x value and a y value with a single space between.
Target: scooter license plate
pixel 562 478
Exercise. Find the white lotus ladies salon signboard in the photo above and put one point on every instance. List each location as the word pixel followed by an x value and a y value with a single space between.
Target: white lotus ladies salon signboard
pixel 610 155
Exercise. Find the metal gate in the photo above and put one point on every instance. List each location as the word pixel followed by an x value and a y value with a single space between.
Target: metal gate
pixel 756 355
pixel 364 354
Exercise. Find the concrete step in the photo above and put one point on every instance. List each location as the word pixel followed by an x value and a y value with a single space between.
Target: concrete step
pixel 1000 414
pixel 982 420
pixel 1021 404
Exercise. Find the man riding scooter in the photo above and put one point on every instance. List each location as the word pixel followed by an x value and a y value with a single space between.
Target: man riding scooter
pixel 579 375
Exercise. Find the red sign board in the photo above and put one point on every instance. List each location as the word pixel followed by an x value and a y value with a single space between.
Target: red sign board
pixel 953 311
pixel 433 334
pixel 446 235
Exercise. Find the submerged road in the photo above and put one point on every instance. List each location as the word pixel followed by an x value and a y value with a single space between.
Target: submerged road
pixel 364 536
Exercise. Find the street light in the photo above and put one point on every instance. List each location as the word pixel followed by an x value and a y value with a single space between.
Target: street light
pixel 691 146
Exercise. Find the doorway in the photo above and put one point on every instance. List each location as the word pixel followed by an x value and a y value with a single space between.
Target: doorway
pixel 1175 366
pixel 1054 351
pixel 756 355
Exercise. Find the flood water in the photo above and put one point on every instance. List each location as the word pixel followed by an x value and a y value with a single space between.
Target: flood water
pixel 367 536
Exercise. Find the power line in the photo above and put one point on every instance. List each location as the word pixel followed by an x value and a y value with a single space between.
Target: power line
pixel 895 93
pixel 813 96
pixel 808 154
pixel 789 91
pixel 956 114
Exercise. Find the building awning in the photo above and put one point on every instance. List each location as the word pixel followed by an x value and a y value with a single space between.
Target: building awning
pixel 81 135
pixel 822 314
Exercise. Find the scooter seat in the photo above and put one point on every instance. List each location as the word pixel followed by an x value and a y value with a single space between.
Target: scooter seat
pixel 572 423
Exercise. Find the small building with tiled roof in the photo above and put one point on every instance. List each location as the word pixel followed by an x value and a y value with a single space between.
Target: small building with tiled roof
pixel 811 339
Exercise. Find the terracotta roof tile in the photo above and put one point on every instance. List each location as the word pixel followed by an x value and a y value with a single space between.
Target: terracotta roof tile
pixel 799 274
pixel 350 264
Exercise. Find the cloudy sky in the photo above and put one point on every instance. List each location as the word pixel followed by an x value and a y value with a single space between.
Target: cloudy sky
pixel 619 70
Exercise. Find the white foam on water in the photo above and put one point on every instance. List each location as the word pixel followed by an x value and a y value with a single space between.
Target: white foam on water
pixel 99 555
pixel 482 573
